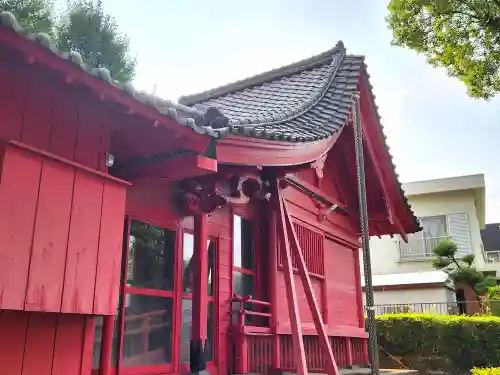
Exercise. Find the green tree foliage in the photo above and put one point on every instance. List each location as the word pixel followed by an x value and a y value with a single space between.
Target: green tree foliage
pixel 87 29
pixel 462 36
pixel 460 269
pixel 33 15
pixel 84 27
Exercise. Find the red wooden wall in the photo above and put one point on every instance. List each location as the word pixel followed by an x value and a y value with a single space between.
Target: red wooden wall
pixel 57 201
pixel 45 344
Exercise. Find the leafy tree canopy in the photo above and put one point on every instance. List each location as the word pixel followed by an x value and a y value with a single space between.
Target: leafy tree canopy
pixel 33 15
pixel 462 36
pixel 87 29
pixel 84 27
pixel 461 269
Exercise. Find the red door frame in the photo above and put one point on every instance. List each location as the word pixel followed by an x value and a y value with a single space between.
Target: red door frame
pixel 176 294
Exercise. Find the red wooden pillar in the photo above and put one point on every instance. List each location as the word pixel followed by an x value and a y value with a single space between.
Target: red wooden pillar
pixel 348 352
pixel 198 362
pixel 108 325
pixel 273 281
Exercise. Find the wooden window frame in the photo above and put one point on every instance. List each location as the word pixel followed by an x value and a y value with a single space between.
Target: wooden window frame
pixel 255 253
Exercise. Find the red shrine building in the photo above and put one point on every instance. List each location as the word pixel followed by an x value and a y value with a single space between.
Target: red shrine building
pixel 140 236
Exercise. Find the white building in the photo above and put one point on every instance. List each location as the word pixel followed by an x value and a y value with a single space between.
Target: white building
pixel 451 208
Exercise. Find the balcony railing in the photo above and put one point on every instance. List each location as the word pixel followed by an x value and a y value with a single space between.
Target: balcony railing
pixel 418 248
pixel 435 308
pixel 492 256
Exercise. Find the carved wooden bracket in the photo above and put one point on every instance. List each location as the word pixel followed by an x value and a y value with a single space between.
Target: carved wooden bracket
pixel 319 164
pixel 206 194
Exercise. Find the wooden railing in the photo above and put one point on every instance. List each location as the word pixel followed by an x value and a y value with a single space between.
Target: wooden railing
pixel 256 349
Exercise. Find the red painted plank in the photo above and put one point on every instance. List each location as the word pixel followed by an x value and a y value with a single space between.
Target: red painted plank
pixel 15 89
pixel 50 238
pixel 81 260
pixel 38 116
pixel 68 346
pixel 88 138
pixel 20 179
pixel 110 250
pixel 12 337
pixel 105 145
pixel 39 347
pixel 64 127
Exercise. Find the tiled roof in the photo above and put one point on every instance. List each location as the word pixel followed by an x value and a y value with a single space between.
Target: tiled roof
pixel 302 102
pixel 491 237
pixel 206 122
pixel 306 101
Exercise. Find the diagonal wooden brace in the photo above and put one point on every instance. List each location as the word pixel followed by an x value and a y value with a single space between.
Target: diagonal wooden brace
pixel 330 365
pixel 293 308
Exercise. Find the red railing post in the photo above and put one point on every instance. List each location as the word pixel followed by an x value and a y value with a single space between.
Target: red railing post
pixel 348 352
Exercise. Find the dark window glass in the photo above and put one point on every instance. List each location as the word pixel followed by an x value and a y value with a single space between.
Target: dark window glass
pixel 242 284
pixel 186 322
pixel 187 258
pixel 243 243
pixel 147 336
pixel 151 254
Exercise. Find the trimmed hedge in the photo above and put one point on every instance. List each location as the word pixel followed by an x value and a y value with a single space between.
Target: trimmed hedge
pixel 486 371
pixel 440 343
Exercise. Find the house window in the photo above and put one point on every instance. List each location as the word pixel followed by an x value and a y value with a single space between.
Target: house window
pixel 434 230
pixel 187 303
pixel 434 227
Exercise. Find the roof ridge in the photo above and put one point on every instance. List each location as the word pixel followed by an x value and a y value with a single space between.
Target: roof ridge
pixel 262 78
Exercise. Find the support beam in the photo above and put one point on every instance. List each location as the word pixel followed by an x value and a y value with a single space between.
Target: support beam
pixel 293 308
pixel 174 167
pixel 365 239
pixel 330 363
pixel 198 363
pixel 108 326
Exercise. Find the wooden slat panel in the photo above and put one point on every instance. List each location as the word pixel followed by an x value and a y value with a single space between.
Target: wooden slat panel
pixel 38 116
pixel 20 179
pixel 88 140
pixel 64 127
pixel 12 338
pixel 15 89
pixel 81 260
pixel 39 346
pixel 110 250
pixel 68 346
pixel 50 239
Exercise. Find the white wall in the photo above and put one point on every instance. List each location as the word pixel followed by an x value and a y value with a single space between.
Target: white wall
pixel 438 296
pixel 385 251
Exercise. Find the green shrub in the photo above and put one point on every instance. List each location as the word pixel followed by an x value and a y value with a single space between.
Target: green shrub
pixel 447 343
pixel 486 371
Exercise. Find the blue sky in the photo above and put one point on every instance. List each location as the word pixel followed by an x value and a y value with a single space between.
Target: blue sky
pixel 434 129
